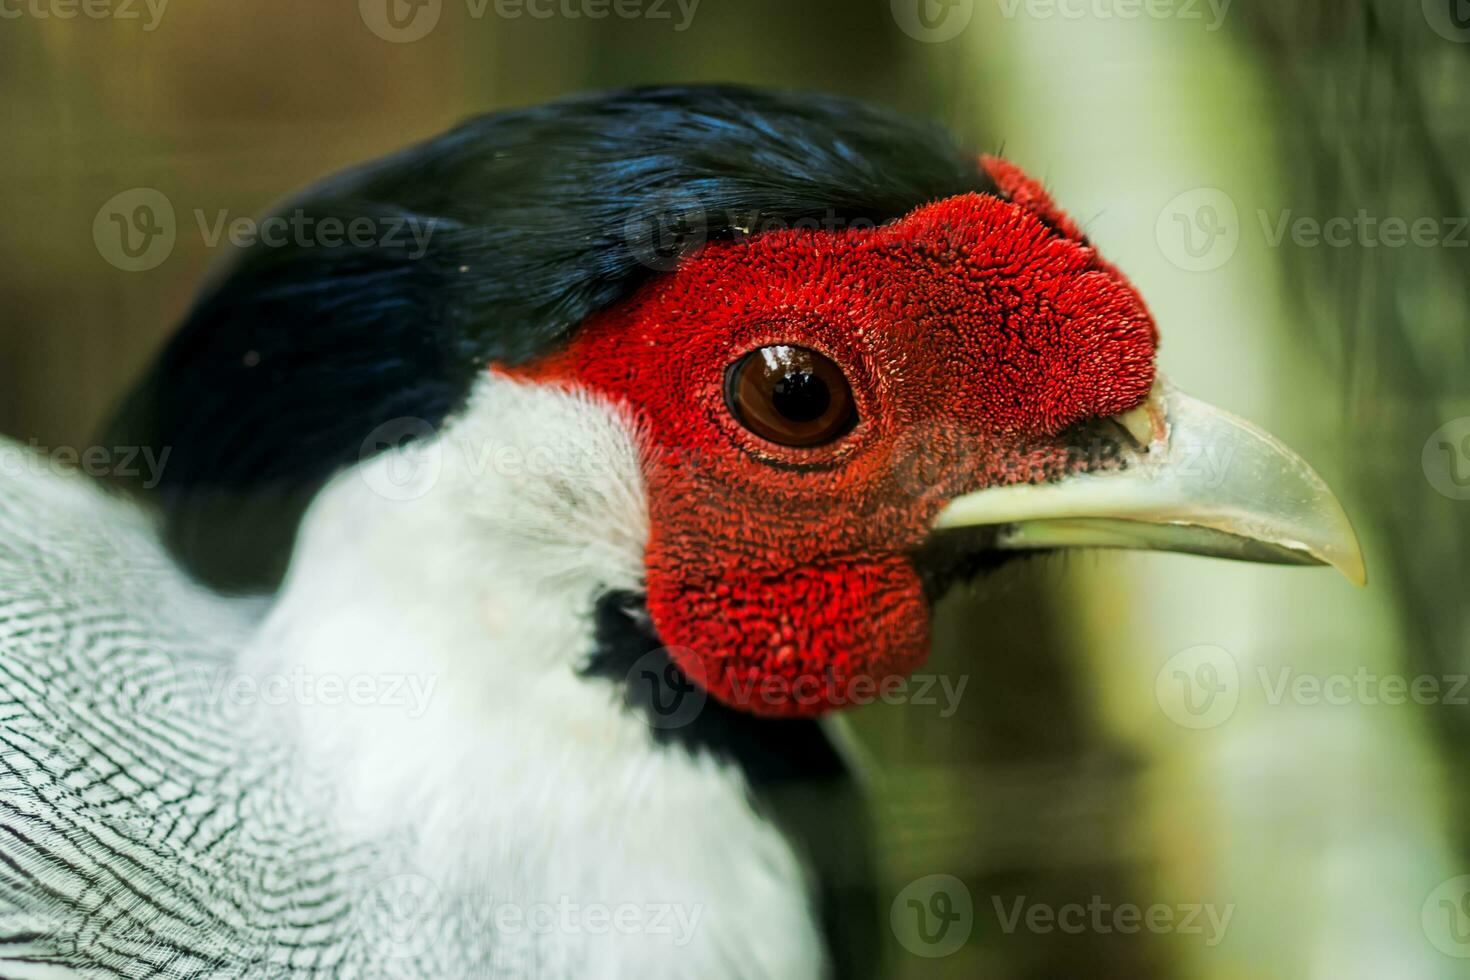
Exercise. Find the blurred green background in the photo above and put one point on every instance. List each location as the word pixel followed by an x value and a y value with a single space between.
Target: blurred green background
pixel 1079 768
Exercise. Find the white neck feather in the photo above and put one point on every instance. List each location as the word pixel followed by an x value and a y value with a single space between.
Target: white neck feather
pixel 466 563
pixel 464 568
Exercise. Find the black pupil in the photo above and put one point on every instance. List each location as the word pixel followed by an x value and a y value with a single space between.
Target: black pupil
pixel 801 397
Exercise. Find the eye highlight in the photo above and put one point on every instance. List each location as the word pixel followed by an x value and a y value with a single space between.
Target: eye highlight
pixel 790 395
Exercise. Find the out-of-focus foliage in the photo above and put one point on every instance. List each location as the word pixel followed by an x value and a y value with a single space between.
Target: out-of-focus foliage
pixel 1375 117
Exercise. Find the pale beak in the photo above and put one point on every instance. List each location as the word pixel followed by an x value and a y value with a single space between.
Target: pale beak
pixel 1196 479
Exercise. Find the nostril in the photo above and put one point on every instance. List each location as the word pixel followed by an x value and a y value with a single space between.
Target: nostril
pixel 1137 425
pixel 1143 423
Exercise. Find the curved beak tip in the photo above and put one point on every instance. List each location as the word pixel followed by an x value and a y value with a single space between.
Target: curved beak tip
pixel 1200 480
pixel 1346 554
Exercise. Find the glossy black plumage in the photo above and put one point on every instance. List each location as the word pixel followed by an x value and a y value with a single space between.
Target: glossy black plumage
pixel 538 218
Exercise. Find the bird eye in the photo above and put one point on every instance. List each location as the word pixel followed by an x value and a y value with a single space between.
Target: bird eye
pixel 790 395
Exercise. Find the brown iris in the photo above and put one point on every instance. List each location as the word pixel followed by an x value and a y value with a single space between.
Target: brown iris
pixel 790 395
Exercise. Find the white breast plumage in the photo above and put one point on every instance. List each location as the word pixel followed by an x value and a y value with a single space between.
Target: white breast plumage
pixel 394 770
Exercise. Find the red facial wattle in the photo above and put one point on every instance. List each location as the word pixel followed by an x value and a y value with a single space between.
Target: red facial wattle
pixel 972 332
